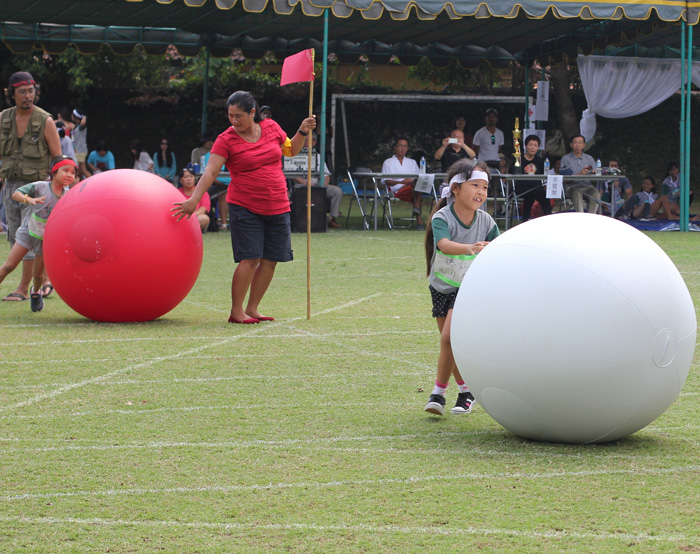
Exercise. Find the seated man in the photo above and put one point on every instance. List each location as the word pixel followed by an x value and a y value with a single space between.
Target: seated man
pixel 403 188
pixel 100 159
pixel 452 149
pixel 530 191
pixel 578 163
pixel 622 189
pixel 333 192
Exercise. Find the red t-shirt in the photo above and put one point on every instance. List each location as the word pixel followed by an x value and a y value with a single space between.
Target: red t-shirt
pixel 204 201
pixel 257 181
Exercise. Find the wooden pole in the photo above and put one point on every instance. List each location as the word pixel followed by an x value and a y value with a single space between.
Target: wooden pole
pixel 308 201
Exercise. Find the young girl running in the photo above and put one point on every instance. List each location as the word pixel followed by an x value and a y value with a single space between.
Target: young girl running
pixel 457 232
pixel 43 196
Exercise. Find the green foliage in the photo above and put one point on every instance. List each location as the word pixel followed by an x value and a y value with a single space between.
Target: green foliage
pixel 455 79
pixel 74 76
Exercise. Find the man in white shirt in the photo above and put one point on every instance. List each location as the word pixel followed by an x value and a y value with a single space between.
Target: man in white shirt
pixel 489 140
pixel 333 192
pixel 403 188
pixel 578 163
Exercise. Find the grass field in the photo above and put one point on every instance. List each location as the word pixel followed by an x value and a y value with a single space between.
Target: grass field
pixel 189 435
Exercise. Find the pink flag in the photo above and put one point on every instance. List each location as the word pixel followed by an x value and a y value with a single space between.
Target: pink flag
pixel 298 68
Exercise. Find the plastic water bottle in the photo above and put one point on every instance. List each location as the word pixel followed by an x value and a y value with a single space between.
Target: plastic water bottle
pixel 422 165
pixel 546 166
pixel 598 167
pixel 202 162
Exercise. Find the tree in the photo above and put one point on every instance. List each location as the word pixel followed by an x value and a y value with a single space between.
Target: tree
pixel 560 79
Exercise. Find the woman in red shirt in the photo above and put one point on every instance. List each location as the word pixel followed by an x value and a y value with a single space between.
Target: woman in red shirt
pixel 257 197
pixel 188 181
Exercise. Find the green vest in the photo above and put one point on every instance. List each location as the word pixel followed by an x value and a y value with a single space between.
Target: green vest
pixel 27 158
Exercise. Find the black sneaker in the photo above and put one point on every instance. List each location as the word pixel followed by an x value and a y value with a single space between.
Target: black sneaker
pixel 436 404
pixel 36 301
pixel 464 403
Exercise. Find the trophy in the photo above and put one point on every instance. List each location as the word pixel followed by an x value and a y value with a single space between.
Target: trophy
pixel 516 142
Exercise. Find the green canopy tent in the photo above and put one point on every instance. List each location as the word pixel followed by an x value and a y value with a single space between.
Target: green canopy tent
pixel 466 30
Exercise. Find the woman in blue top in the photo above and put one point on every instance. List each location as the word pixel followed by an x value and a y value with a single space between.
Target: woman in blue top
pixel 164 161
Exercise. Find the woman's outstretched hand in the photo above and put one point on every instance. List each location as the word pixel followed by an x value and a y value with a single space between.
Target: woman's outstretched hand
pixel 183 209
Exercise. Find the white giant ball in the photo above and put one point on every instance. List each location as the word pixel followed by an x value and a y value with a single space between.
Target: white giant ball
pixel 574 328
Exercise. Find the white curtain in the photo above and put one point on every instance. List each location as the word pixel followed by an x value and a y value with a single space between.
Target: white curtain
pixel 623 87
pixel 695 74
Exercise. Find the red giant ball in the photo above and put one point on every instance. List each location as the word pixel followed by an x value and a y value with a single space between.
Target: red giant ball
pixel 113 251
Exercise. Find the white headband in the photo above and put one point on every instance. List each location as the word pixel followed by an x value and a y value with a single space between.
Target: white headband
pixel 477 174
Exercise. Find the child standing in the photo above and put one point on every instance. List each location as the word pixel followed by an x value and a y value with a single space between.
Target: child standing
pixel 43 196
pixel 457 232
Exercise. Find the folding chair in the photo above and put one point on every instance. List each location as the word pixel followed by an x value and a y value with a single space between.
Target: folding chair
pixel 362 195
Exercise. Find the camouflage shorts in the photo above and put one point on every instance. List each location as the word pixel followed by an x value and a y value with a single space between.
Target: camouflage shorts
pixel 15 211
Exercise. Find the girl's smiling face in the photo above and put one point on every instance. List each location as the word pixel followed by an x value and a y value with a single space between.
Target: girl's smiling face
pixel 64 176
pixel 471 194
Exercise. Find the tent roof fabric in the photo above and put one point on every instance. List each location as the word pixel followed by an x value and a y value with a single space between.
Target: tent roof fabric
pixel 466 30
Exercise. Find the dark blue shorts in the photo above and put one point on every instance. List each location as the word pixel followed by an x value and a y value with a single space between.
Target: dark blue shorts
pixel 256 236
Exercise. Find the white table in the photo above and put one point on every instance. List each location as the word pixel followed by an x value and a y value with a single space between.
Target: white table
pixel 568 180
pixel 375 177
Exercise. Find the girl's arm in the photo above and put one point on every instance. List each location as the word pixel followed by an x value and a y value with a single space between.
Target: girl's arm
pixel 452 248
pixel 21 196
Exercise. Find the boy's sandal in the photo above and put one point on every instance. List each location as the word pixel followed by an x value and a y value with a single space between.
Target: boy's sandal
pixel 15 297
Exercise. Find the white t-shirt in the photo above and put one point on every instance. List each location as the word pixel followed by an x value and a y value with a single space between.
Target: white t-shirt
pixel 143 162
pixel 488 148
pixel 393 165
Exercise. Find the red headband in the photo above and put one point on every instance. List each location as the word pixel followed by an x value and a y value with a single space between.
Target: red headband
pixel 21 83
pixel 59 165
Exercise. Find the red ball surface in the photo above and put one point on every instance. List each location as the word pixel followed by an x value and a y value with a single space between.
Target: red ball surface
pixel 113 251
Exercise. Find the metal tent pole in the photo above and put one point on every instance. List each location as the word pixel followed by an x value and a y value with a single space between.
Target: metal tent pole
pixel 322 133
pixel 685 183
pixel 683 123
pixel 205 92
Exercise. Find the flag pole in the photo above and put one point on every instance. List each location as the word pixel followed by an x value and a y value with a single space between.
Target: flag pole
pixel 308 198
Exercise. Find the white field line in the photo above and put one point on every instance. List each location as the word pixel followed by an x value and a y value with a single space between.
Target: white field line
pixel 257 356
pixel 241 443
pixel 266 337
pixel 409 449
pixel 207 306
pixel 284 443
pixel 345 529
pixel 332 338
pixel 185 409
pixel 260 329
pixel 353 483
